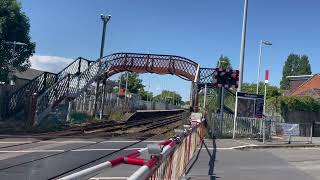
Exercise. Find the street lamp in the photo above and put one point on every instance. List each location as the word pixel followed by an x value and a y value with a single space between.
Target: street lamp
pixel 262 42
pixel 14 43
pixel 105 20
pixel 243 43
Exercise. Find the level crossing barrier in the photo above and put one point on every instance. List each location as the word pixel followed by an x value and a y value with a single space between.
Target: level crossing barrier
pixel 168 159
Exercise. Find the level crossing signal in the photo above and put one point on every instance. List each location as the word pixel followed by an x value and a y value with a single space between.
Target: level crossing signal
pixel 227 78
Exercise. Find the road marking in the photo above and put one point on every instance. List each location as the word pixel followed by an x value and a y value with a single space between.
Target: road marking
pixel 107 178
pixel 62 150
pixel 129 141
pixel 243 142
pixel 15 142
pixel 32 151
pixel 71 142
pixel 82 150
pixel 229 148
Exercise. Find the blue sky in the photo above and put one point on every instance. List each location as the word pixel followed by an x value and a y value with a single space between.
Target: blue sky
pixel 198 30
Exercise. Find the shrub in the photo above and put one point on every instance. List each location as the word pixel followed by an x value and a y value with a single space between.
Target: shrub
pixel 78 117
pixel 286 104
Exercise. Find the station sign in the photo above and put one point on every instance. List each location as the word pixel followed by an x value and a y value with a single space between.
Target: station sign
pixel 250 105
pixel 290 129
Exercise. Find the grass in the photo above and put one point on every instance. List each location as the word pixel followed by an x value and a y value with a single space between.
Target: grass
pixel 78 118
pixel 116 116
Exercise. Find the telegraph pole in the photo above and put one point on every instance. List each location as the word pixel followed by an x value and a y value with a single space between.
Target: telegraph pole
pixel 105 20
pixel 243 43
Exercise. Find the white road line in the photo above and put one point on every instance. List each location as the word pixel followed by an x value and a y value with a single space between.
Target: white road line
pixel 229 148
pixel 82 150
pixel 15 142
pixel 73 142
pixel 67 142
pixel 61 150
pixel 129 141
pixel 108 178
pixel 32 151
pixel 243 142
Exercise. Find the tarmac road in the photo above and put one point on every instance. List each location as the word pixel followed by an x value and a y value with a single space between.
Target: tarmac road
pixel 22 159
pixel 255 164
pixel 28 158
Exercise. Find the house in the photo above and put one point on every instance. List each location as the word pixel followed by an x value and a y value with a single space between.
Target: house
pixel 22 78
pixel 305 85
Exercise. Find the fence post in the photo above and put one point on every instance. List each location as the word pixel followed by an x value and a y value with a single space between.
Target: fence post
pixel 212 125
pixel 32 109
pixel 221 111
pixel 264 130
pixel 235 117
pixel 102 99
pixel 311 131
pixel 69 110
pixel 44 82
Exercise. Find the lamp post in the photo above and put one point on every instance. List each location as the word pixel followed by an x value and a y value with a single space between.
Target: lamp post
pixel 262 42
pixel 105 20
pixel 14 43
pixel 243 43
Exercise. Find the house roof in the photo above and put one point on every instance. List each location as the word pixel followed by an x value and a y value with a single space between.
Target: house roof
pixel 300 77
pixel 311 92
pixel 312 84
pixel 29 74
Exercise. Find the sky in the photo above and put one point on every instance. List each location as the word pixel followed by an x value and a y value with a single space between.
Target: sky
pixel 198 30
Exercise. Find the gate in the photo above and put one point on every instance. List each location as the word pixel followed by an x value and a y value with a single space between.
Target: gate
pixel 222 127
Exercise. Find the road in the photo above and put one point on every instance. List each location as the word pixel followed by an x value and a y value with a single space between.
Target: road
pixel 263 164
pixel 31 159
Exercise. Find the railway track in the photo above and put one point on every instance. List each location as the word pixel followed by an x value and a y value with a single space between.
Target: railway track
pixel 164 121
pixel 146 125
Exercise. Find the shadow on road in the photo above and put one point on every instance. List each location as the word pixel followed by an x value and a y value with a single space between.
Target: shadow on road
pixel 211 163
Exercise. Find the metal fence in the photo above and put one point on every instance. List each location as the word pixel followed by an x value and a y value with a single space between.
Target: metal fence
pixel 269 128
pixel 222 126
pixel 275 133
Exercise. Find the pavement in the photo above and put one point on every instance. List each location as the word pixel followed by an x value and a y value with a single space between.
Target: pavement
pixel 216 160
pixel 35 159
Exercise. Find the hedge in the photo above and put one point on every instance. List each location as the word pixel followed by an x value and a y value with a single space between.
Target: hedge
pixel 284 104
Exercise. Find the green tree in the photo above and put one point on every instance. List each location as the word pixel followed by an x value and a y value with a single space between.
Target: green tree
pixel 295 65
pixel 224 62
pixel 272 91
pixel 14 26
pixel 304 66
pixel 169 97
pixel 134 82
pixel 146 95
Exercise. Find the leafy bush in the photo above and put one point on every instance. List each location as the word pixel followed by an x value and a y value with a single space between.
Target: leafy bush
pixel 116 116
pixel 286 104
pixel 49 124
pixel 77 117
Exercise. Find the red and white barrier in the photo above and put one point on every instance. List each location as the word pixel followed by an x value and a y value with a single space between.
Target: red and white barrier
pixel 108 164
pixel 171 163
pixel 174 158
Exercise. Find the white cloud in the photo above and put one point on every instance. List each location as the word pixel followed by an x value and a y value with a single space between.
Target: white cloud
pixel 49 63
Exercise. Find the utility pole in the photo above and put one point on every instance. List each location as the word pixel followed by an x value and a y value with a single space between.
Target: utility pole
pixel 105 20
pixel 125 97
pixel 243 43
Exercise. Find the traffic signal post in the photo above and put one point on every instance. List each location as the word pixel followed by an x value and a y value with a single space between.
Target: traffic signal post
pixel 225 78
